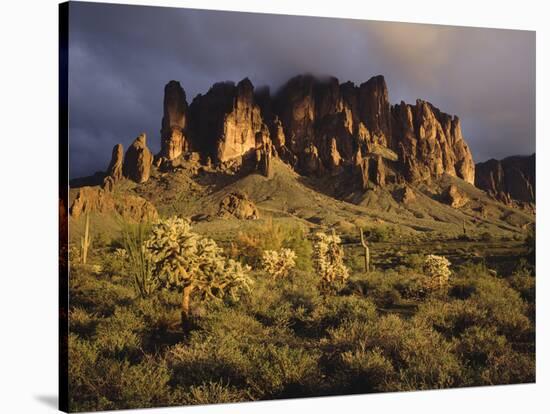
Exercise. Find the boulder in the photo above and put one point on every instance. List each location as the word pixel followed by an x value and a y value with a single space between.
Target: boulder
pixel 237 205
pixel 455 197
pixel 407 195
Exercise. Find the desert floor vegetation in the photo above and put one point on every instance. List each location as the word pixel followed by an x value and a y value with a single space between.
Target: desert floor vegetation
pixel 277 311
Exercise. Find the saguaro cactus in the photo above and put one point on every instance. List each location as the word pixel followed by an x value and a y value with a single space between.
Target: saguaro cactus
pixel 464 227
pixel 367 250
pixel 85 241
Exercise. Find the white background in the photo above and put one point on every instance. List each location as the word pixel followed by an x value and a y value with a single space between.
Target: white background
pixel 28 204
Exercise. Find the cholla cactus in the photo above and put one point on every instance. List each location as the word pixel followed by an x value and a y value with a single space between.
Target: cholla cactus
pixel 185 260
pixel 436 270
pixel 278 263
pixel 328 258
pixel 121 254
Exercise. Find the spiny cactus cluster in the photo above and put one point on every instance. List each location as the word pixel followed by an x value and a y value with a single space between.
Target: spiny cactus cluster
pixel 184 259
pixel 328 258
pixel 436 270
pixel 278 263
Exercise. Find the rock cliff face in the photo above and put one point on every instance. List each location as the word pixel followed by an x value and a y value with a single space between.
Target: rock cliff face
pixel 225 121
pixel 429 143
pixel 509 180
pixel 317 126
pixel 174 122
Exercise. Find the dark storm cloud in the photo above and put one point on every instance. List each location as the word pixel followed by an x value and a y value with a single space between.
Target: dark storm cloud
pixel 122 56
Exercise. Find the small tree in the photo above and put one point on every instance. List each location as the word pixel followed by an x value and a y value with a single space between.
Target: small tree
pixel 436 270
pixel 328 259
pixel 278 263
pixel 185 260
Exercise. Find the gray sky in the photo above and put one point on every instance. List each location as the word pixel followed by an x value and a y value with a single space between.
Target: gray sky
pixel 122 56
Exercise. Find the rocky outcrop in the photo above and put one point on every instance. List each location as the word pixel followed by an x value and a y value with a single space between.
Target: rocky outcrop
pixel 325 123
pixel 317 126
pixel 100 201
pixel 429 143
pixel 237 205
pixel 117 160
pixel 509 180
pixel 114 171
pixel 377 170
pixel 225 121
pixel 138 160
pixel 174 122
pixel 407 195
pixel 455 197
pixel 374 109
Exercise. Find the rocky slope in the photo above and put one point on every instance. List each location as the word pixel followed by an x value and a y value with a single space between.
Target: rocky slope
pixel 511 180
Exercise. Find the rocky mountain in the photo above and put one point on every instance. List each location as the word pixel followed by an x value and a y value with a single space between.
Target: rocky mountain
pixel 346 141
pixel 511 180
pixel 317 126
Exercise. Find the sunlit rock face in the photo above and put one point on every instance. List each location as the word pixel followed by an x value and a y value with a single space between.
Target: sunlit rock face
pixel 429 143
pixel 317 126
pixel 174 122
pixel 115 166
pixel 225 121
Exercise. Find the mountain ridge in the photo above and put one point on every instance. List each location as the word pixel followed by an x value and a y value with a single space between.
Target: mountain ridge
pixel 342 140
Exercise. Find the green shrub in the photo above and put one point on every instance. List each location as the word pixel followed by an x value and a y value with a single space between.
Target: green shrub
pixel 365 370
pixel 420 357
pixel 116 263
pixel 97 295
pixel 81 322
pixel 523 280
pixel 490 302
pixel 337 310
pixel 119 336
pixel 491 360
pixel 235 348
pixel 249 246
pixel 100 383
pixel 379 286
pixel 214 393
pixel 415 261
pixel 451 318
pixel 380 234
